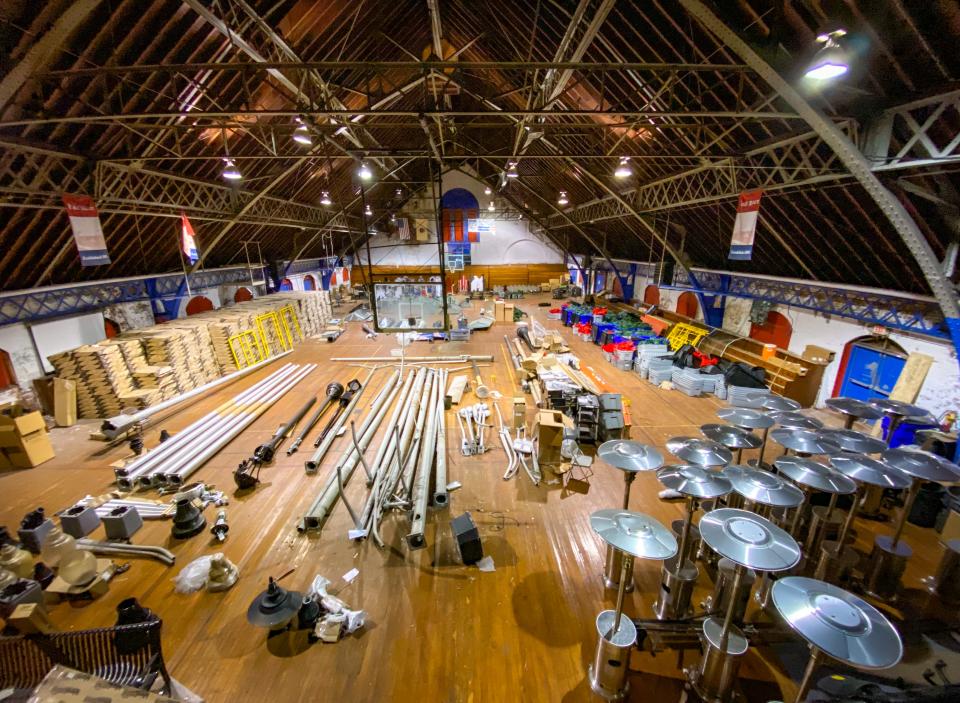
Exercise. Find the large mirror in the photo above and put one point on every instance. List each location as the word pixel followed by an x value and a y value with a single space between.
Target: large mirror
pixel 413 304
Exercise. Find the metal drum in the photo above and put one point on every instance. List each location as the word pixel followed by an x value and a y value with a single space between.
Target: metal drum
pixel 719 601
pixel 721 661
pixel 611 662
pixel 946 583
pixel 676 590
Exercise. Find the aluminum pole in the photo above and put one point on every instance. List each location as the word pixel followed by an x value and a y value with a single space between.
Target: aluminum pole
pixel 440 495
pixel 421 486
pixel 313 463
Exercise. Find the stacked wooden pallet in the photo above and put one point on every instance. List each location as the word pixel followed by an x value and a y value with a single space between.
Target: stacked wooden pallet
pixel 159 378
pixel 145 366
pixel 104 383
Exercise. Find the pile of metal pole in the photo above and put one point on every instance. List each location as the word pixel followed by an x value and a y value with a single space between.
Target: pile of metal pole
pixel 189 449
pixel 353 455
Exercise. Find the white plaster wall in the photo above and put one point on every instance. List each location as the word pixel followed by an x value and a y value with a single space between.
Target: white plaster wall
pixel 940 391
pixel 513 242
pixel 16 341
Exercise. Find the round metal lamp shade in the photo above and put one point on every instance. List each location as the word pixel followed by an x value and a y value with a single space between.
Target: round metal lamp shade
pixel 815 475
pixel 694 481
pixel 702 452
pixel 803 441
pixel 839 623
pixel 274 607
pixel 864 469
pixel 763 487
pixel 853 441
pixel 923 465
pixel 749 540
pixel 634 533
pixel 746 417
pixel 628 455
pixel 731 437
pixel 794 420
pixel 854 407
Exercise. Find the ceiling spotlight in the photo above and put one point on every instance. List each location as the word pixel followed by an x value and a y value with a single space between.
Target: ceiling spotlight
pixel 831 61
pixel 512 170
pixel 230 171
pixel 488 191
pixel 325 198
pixel 301 135
pixel 623 168
pixel 368 210
pixel 364 172
pixel 398 192
pixel 393 217
pixel 491 207
pixel 562 200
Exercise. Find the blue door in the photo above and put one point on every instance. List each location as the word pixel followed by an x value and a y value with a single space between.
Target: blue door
pixel 870 373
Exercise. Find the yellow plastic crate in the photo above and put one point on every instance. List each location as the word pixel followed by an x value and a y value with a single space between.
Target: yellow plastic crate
pixel 682 333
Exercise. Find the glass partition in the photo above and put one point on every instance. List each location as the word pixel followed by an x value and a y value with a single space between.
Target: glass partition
pixel 402 306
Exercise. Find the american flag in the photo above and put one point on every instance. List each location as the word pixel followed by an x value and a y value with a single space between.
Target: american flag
pixel 403 228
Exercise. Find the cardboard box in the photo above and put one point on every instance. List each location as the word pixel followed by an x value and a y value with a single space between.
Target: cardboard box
pixel 550 427
pixel 21 424
pixel 498 311
pixel 65 402
pixel 33 450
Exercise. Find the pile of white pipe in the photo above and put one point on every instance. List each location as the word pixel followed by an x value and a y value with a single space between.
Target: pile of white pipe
pixel 181 455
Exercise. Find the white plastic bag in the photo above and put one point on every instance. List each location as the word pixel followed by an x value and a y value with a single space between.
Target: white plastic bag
pixel 193 576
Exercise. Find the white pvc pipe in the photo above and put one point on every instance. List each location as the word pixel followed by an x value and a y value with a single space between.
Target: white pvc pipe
pixel 114 426
pixel 135 468
pixel 198 431
pixel 178 477
pixel 204 435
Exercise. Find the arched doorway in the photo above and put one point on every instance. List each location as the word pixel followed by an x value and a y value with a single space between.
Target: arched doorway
pixel 286 284
pixel 242 295
pixel 198 304
pixel 309 282
pixel 8 376
pixel 776 330
pixel 110 328
pixel 687 305
pixel 651 295
pixel 869 368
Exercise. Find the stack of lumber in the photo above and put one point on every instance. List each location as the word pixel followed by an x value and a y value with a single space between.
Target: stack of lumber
pixel 142 367
pixel 160 378
pixel 104 383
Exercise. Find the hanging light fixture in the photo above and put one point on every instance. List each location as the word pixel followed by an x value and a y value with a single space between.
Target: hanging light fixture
pixel 301 135
pixel 325 198
pixel 563 200
pixel 368 210
pixel 230 170
pixel 393 217
pixel 364 172
pixel 398 192
pixel 832 60
pixel 512 170
pixel 491 207
pixel 623 169
pixel 488 191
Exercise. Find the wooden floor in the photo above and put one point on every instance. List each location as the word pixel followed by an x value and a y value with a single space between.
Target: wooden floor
pixel 436 630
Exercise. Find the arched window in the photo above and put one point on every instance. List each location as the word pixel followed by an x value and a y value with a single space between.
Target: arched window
pixel 110 328
pixel 286 284
pixel 776 330
pixel 651 295
pixel 242 295
pixel 687 305
pixel 309 282
pixel 198 304
pixel 7 375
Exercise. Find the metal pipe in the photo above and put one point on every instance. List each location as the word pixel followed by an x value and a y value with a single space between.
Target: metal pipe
pixel 386 448
pixel 238 426
pixel 320 508
pixel 399 451
pixel 905 511
pixel 333 392
pixel 202 437
pixel 815 656
pixel 135 550
pixel 198 429
pixel 421 485
pixel 440 495
pixel 134 468
pixel 410 467
pixel 436 359
pixel 247 474
pixel 117 425
pixel 311 464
